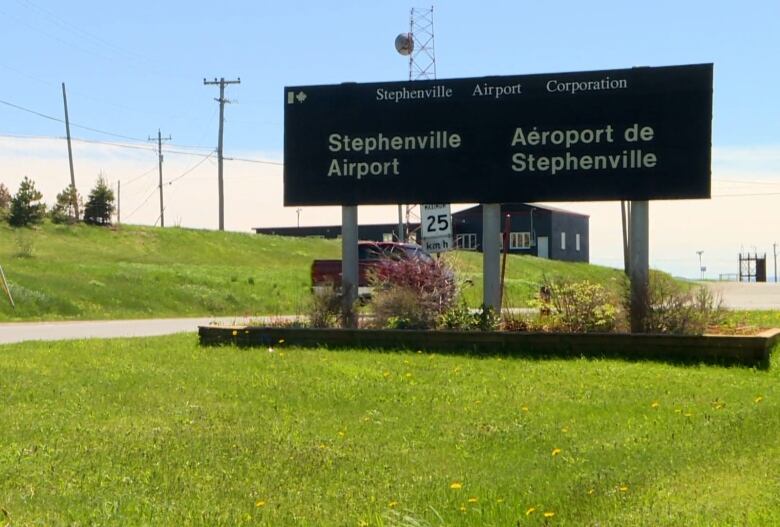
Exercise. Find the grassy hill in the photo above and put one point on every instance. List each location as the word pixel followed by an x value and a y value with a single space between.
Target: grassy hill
pixel 80 272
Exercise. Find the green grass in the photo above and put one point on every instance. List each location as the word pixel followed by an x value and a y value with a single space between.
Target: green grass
pixel 757 318
pixel 524 274
pixel 80 272
pixel 162 432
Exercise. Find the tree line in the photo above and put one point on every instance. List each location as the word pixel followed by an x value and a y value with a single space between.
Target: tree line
pixel 26 208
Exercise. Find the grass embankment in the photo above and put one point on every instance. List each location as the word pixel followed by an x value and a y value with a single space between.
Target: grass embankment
pixel 524 274
pixel 80 272
pixel 163 432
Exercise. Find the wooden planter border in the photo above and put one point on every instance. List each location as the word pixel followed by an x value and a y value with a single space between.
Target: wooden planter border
pixel 721 349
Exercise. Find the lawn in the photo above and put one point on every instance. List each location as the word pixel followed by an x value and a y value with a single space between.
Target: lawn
pixel 163 432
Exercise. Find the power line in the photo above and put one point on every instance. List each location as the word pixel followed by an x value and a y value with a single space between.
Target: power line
pixel 57 119
pixel 152 193
pixel 260 161
pixel 193 167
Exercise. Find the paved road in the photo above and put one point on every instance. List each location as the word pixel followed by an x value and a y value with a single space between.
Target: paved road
pixel 21 331
pixel 743 295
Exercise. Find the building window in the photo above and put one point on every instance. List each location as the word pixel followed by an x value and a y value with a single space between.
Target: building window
pixel 519 240
pixel 466 241
pixel 577 242
pixel 563 241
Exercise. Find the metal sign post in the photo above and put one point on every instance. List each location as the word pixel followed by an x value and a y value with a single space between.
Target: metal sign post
pixel 640 264
pixel 491 255
pixel 350 273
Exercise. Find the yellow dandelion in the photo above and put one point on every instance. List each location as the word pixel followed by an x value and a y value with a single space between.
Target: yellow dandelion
pixel 549 514
pixel 260 503
pixel 235 332
pixel 556 451
pixel 623 488
pixel 392 504
pixel 758 399
pixel 456 485
pixel 655 404
pixel 530 511
pixel 472 499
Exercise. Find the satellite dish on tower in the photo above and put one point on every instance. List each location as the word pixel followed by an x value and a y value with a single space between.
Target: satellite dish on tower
pixel 404 43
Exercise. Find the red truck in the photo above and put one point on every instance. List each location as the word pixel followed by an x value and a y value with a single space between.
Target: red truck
pixel 327 273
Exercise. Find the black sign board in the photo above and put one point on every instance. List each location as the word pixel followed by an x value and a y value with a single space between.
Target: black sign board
pixel 635 134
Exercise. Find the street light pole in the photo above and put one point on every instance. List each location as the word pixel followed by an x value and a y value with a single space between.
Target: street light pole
pixel 701 269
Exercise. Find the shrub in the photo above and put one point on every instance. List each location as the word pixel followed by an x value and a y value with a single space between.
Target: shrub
pixel 412 292
pixel 64 210
pixel 399 308
pixel 100 204
pixel 462 318
pixel 677 308
pixel 26 206
pixel 24 245
pixel 325 308
pixel 581 307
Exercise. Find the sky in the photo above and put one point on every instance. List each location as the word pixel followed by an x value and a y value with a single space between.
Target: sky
pixel 131 69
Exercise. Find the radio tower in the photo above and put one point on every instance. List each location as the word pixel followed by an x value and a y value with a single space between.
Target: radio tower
pixel 422 59
pixel 422 66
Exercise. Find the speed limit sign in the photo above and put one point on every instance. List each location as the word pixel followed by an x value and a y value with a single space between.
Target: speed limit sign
pixel 436 227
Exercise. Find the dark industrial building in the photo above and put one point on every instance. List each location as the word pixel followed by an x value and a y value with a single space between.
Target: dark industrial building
pixel 545 232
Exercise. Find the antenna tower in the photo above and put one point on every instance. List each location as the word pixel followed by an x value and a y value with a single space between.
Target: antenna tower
pixel 422 60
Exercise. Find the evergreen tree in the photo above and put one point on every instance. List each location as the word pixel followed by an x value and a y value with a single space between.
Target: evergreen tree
pixel 26 206
pixel 100 204
pixel 64 210
pixel 5 202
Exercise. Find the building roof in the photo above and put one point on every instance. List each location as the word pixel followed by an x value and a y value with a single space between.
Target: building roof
pixel 519 207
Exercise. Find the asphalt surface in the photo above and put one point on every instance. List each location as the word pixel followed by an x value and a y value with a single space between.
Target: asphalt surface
pixel 747 296
pixel 21 331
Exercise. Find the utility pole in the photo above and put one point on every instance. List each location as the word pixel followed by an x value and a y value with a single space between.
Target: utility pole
pixel 222 83
pixel 160 139
pixel 119 202
pixel 70 154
